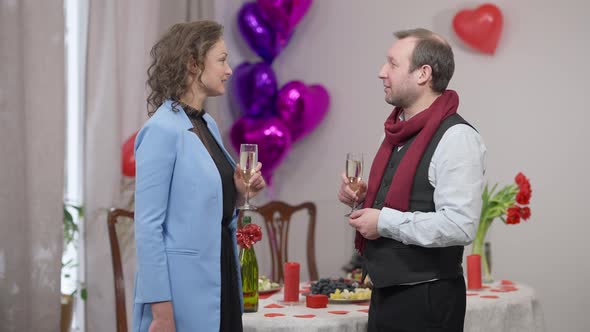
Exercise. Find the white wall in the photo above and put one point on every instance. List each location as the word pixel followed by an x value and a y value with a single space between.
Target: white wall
pixel 528 102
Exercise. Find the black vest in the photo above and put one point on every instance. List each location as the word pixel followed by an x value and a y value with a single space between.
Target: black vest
pixel 390 262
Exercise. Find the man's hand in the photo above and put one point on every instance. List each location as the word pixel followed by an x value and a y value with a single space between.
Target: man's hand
pixel 163 317
pixel 347 196
pixel 365 222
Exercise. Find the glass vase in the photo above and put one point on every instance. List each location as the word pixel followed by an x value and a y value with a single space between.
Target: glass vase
pixel 249 269
pixel 478 248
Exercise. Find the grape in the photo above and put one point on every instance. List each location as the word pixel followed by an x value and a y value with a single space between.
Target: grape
pixel 328 286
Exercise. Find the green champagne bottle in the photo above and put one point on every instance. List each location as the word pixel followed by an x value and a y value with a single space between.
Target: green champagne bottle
pixel 249 266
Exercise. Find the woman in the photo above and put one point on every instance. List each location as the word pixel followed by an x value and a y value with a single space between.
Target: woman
pixel 187 188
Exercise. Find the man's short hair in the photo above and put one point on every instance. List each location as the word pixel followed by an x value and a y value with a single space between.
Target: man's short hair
pixel 431 49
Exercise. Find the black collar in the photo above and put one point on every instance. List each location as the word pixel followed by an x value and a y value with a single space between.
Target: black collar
pixel 192 112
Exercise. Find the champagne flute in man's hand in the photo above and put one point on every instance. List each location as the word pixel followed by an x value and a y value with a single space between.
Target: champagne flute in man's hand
pixel 354 174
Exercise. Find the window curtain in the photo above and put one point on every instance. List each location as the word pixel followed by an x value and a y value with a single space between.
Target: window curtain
pixel 32 149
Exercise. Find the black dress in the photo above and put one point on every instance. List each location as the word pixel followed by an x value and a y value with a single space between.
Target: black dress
pixel 231 310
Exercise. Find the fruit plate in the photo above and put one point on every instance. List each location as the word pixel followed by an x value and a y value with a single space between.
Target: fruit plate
pixel 345 281
pixel 270 290
pixel 348 301
pixel 344 301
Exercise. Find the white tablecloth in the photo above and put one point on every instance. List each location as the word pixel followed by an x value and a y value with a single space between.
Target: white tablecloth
pixel 323 320
pixel 509 309
pixel 512 311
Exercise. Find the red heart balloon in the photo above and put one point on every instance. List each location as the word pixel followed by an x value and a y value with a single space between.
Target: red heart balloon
pixel 127 156
pixel 480 28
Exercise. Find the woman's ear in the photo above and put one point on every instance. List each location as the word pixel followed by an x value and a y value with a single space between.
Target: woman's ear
pixel 193 68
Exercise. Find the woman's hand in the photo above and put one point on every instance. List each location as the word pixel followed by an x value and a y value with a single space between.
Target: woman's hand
pixel 257 182
pixel 163 317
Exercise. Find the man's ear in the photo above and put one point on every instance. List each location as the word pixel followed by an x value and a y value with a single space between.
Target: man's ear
pixel 424 74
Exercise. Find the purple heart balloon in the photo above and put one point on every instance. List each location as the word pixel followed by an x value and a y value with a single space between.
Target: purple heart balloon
pixel 302 108
pixel 284 15
pixel 258 33
pixel 271 135
pixel 254 86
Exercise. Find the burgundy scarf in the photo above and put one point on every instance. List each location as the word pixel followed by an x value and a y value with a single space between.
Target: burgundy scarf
pixel 424 125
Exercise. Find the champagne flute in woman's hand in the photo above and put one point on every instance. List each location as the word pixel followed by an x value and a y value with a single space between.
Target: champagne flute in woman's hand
pixel 354 173
pixel 248 163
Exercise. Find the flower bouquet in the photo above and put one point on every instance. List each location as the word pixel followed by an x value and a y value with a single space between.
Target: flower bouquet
pixel 510 204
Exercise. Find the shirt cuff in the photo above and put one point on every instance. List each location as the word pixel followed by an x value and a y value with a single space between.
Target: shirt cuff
pixel 389 223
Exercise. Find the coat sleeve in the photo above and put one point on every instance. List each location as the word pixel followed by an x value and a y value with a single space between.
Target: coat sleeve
pixel 155 155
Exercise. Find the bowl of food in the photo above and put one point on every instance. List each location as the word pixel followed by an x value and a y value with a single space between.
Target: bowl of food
pixel 266 285
pixel 341 290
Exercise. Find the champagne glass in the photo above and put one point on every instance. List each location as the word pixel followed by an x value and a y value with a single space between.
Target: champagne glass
pixel 354 173
pixel 248 163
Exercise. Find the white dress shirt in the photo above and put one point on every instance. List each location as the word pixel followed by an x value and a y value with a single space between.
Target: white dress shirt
pixel 456 172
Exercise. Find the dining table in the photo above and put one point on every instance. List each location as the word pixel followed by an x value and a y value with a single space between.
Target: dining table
pixel 504 306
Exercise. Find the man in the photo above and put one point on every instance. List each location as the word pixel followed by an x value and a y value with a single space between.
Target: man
pixel 423 198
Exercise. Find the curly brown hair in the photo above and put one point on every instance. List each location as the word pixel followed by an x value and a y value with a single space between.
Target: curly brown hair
pixel 168 72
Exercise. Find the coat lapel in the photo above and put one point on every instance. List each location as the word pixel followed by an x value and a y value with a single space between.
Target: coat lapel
pixel 188 125
pixel 215 131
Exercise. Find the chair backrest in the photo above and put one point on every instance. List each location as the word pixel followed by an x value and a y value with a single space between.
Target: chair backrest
pixel 114 216
pixel 277 219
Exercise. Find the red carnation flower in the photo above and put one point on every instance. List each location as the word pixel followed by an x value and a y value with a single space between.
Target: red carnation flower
pixel 524 195
pixel 522 182
pixel 248 235
pixel 520 179
pixel 513 215
pixel 254 232
pixel 525 212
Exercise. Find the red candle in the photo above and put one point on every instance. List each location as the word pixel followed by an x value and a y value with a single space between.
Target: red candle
pixel 474 272
pixel 291 279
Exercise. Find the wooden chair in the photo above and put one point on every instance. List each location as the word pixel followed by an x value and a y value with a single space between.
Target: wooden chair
pixel 114 216
pixel 277 219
